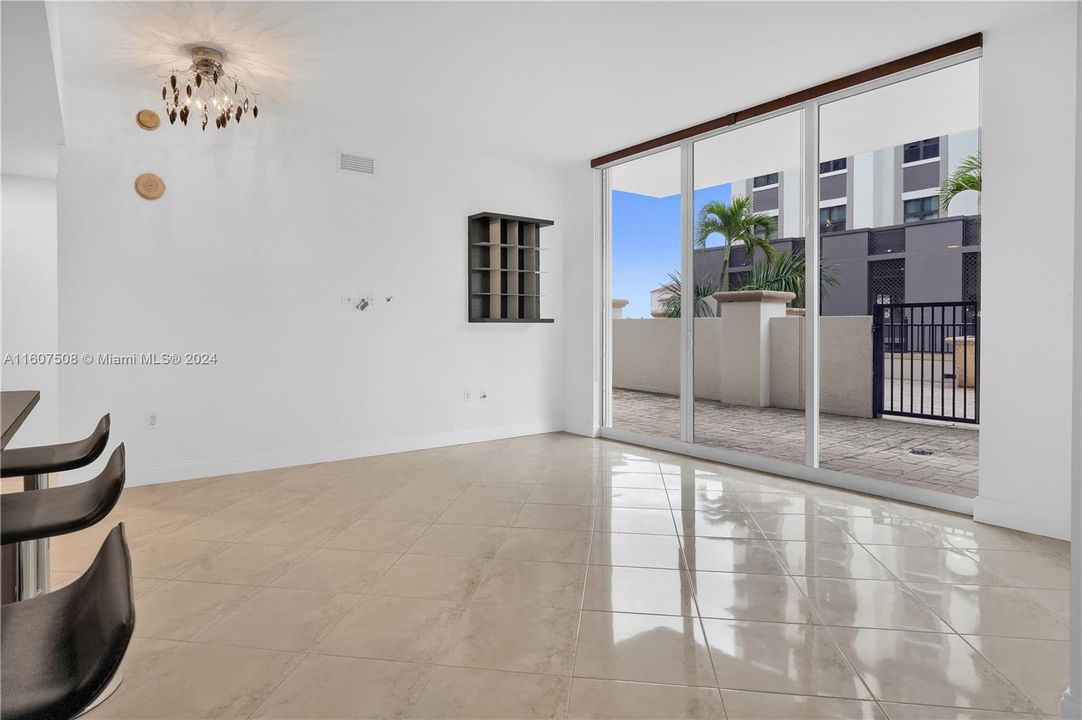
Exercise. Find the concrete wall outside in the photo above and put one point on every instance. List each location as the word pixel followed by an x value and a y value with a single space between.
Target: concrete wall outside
pixel 744 351
pixel 646 357
pixel 845 384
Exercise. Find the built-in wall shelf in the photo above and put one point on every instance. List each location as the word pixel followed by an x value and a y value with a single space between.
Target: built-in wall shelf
pixel 505 268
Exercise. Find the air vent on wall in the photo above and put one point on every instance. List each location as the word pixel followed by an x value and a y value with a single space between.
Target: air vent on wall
pixel 351 162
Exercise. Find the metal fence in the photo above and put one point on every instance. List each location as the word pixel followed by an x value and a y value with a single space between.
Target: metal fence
pixel 926 360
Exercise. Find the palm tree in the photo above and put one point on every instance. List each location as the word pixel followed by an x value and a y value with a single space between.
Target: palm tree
pixel 738 222
pixel 671 300
pixel 967 176
pixel 785 273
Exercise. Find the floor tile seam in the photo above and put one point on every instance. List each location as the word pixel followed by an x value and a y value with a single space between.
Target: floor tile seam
pixel 866 548
pixel 939 615
pixel 416 540
pixel 214 643
pixel 974 553
pixel 713 687
pixel 421 692
pixel 286 676
pixel 490 564
pixel 1002 673
pixel 212 582
pixel 685 568
pixel 582 596
pixel 793 578
pixel 368 591
pixel 194 563
pixel 782 693
pixel 1024 716
pixel 851 665
pixel 161 504
pixel 228 614
pixel 1003 676
pixel 474 524
pixel 814 609
pixel 1002 580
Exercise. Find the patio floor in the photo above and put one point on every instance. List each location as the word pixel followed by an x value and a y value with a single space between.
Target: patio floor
pixel 877 448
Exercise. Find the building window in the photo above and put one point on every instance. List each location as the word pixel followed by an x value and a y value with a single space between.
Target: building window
pixel 832 219
pixel 764 180
pixel 832 166
pixel 926 208
pixel 760 231
pixel 921 150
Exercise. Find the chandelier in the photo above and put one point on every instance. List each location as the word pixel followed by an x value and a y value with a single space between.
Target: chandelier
pixel 205 91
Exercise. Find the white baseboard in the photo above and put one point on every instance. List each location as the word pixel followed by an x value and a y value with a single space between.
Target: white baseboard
pixel 584 429
pixel 1016 517
pixel 153 475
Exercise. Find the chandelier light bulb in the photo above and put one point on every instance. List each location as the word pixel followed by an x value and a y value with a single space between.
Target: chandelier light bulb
pixel 206 82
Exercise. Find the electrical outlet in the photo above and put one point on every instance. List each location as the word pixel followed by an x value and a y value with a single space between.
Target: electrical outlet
pixel 482 395
pixel 152 421
pixel 465 396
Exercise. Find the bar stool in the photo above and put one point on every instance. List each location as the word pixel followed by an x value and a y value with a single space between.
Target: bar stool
pixel 45 459
pixel 61 652
pixel 35 514
pixel 31 559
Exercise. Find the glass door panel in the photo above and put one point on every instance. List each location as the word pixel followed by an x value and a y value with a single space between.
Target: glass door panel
pixel 748 279
pixel 645 348
pixel 900 310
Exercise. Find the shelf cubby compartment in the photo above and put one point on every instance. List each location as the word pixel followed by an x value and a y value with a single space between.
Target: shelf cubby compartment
pixel 504 255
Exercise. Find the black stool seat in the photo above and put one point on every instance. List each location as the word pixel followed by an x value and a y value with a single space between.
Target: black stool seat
pixel 45 459
pixel 61 649
pixel 34 514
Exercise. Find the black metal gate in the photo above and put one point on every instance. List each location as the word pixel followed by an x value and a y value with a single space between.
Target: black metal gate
pixel 926 360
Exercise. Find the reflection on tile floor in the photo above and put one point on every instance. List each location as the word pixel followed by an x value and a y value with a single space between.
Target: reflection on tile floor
pixel 558 576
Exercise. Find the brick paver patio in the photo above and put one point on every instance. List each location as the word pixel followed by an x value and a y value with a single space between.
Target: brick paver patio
pixel 868 447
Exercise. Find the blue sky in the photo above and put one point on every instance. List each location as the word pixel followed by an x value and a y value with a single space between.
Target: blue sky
pixel 646 243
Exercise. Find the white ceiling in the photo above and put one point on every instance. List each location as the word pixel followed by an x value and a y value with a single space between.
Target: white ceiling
pixel 555 83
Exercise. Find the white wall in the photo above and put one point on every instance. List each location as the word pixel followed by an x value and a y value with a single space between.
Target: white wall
pixel 247 255
pixel 582 297
pixel 29 308
pixel 1071 705
pixel 32 126
pixel 1028 140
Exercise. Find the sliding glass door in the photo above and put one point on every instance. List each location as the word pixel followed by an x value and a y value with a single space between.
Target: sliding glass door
pixel 800 292
pixel 747 265
pixel 900 309
pixel 643 201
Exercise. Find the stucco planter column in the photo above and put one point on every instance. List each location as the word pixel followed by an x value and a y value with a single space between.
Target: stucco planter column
pixel 745 343
pixel 618 305
pixel 965 359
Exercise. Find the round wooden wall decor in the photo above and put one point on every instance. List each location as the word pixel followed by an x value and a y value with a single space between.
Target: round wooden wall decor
pixel 148 119
pixel 149 186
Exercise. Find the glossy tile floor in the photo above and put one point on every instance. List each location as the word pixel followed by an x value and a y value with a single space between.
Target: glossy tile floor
pixel 557 576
